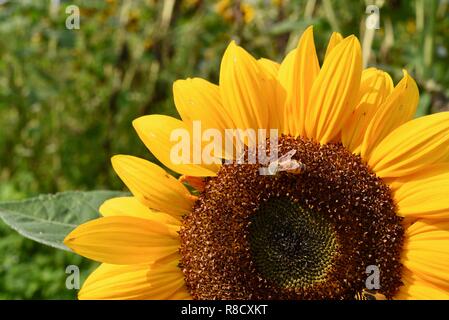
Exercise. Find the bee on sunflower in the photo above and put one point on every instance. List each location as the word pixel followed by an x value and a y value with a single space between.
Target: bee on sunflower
pixel 372 189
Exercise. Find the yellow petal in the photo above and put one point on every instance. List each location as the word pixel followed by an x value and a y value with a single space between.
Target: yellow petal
pixel 123 240
pixel 398 108
pixel 426 251
pixel 426 229
pixel 156 132
pixel 135 282
pixel 268 73
pixel 411 147
pixel 123 282
pixel 415 288
pixel 270 66
pixel 334 40
pixel 389 83
pixel 425 197
pixel 374 88
pixel 426 172
pixel 285 75
pixel 153 186
pixel 131 206
pixel 335 91
pixel 241 89
pixel 198 99
pixel 296 75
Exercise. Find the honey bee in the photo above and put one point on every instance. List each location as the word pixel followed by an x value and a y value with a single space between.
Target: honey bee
pixel 366 294
pixel 285 163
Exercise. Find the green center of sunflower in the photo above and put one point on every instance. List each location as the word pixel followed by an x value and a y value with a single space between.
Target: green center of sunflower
pixel 290 245
pixel 307 235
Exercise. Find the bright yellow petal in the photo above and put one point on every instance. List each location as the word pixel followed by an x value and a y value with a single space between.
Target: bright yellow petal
pixel 334 40
pixel 412 147
pixel 296 75
pixel 424 174
pixel 241 89
pixel 198 99
pixel 425 197
pixel 270 66
pixel 131 206
pixel 398 108
pixel 285 76
pixel 268 73
pixel 135 282
pixel 335 91
pixel 426 252
pixel 415 288
pixel 121 282
pixel 124 240
pixel 153 186
pixel 161 134
pixel 374 88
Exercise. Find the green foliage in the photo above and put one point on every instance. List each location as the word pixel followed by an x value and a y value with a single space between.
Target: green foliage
pixel 29 270
pixel 49 218
pixel 67 97
pixel 45 219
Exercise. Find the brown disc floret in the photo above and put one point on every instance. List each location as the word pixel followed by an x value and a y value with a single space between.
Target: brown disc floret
pixel 292 236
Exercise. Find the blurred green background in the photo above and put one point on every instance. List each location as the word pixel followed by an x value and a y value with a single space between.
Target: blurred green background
pixel 67 97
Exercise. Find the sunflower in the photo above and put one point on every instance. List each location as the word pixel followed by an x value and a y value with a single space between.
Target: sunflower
pixel 372 191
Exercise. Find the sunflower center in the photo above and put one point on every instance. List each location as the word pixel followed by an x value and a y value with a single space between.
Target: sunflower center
pixel 310 235
pixel 290 245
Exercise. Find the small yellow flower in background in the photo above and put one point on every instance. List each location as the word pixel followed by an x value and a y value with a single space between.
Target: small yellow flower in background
pixel 191 3
pixel 225 8
pixel 372 194
pixel 411 26
pixel 248 12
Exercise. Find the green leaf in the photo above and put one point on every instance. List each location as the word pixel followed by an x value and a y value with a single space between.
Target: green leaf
pixel 49 218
